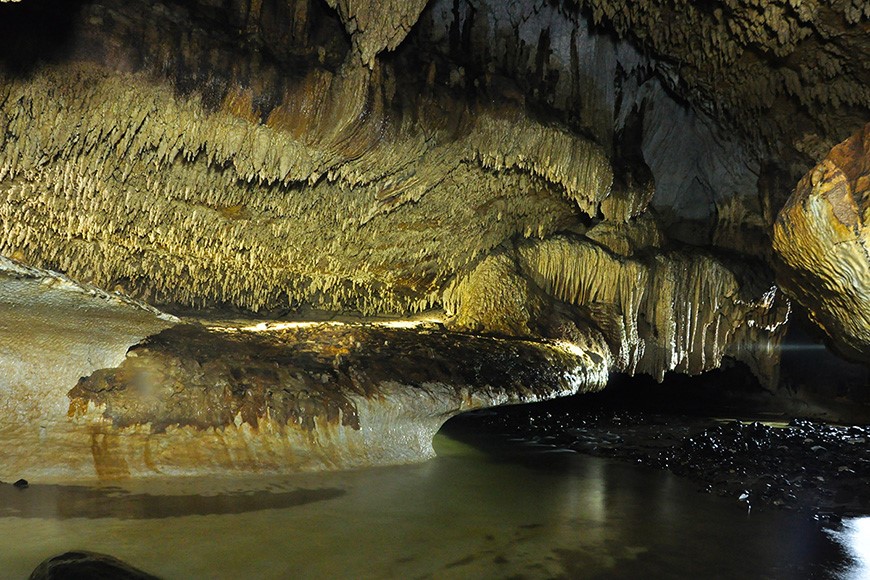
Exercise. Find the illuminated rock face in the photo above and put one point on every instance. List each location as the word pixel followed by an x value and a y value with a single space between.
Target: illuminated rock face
pixel 823 239
pixel 52 332
pixel 77 404
pixel 306 397
pixel 537 171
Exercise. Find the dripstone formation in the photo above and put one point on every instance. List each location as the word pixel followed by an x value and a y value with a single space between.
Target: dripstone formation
pixel 595 179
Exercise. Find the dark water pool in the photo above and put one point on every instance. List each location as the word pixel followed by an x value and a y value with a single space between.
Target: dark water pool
pixel 533 514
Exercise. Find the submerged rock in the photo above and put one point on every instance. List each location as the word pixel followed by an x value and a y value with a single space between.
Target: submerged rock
pixel 822 236
pixel 803 465
pixel 87 566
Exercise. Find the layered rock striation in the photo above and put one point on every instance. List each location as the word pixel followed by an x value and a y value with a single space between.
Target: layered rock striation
pixel 822 237
pixel 291 397
pixel 579 187
pixel 85 397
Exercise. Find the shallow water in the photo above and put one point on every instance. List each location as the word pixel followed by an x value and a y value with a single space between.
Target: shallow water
pixel 465 514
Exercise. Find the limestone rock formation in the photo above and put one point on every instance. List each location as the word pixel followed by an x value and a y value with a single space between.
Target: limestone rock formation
pixel 672 311
pixel 53 331
pixel 83 397
pixel 177 205
pixel 589 186
pixel 291 397
pixel 377 26
pixel 822 236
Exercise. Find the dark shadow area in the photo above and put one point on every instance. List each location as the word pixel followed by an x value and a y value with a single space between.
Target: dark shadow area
pixel 801 445
pixel 68 501
pixel 35 32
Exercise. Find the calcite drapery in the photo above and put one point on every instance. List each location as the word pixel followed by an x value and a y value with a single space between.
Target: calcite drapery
pixel 822 236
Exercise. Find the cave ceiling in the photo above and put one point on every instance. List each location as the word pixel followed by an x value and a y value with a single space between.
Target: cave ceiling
pixel 389 158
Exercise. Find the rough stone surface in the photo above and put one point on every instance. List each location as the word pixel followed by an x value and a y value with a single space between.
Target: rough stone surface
pixel 78 403
pixel 538 169
pixel 377 26
pixel 176 205
pixel 803 465
pixel 822 237
pixel 672 311
pixel 53 331
pixel 291 397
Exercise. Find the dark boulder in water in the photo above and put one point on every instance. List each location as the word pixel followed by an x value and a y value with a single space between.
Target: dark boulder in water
pixel 80 565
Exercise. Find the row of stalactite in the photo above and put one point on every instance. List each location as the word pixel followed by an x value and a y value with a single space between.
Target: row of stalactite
pixel 665 311
pixel 113 179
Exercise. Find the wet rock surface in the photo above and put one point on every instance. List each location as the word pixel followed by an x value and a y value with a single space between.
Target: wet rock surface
pixel 802 465
pixel 313 374
pixel 286 397
pixel 822 238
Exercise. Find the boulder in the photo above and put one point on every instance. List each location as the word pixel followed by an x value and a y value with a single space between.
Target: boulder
pixel 87 566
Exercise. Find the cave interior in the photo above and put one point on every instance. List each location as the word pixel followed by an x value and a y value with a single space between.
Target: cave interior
pixel 274 236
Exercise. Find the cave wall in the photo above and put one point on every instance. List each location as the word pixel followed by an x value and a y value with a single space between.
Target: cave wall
pixel 272 155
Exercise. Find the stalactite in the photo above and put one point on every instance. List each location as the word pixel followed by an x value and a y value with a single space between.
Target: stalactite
pixel 377 26
pixel 493 298
pixel 180 205
pixel 673 311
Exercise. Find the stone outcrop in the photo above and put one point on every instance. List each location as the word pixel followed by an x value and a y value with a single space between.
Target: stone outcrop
pixel 822 236
pixel 306 396
pixel 53 331
pixel 578 186
pixel 84 397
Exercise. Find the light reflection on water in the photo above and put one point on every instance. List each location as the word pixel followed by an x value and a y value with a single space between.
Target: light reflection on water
pixel 854 535
pixel 462 515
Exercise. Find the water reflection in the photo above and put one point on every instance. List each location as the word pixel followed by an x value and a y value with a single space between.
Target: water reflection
pixel 64 502
pixel 466 514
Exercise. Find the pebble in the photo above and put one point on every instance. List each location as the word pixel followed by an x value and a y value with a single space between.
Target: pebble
pixel 805 465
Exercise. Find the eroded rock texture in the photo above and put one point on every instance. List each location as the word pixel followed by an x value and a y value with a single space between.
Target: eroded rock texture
pixel 292 397
pixel 53 331
pixel 85 397
pixel 823 238
pixel 603 174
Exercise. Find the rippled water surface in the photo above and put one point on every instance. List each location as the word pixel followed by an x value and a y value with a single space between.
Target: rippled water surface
pixel 464 515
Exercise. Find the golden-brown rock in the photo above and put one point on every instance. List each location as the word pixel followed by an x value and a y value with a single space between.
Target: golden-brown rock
pixel 377 26
pixel 118 182
pixel 822 237
pixel 667 311
pixel 77 402
pixel 303 396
